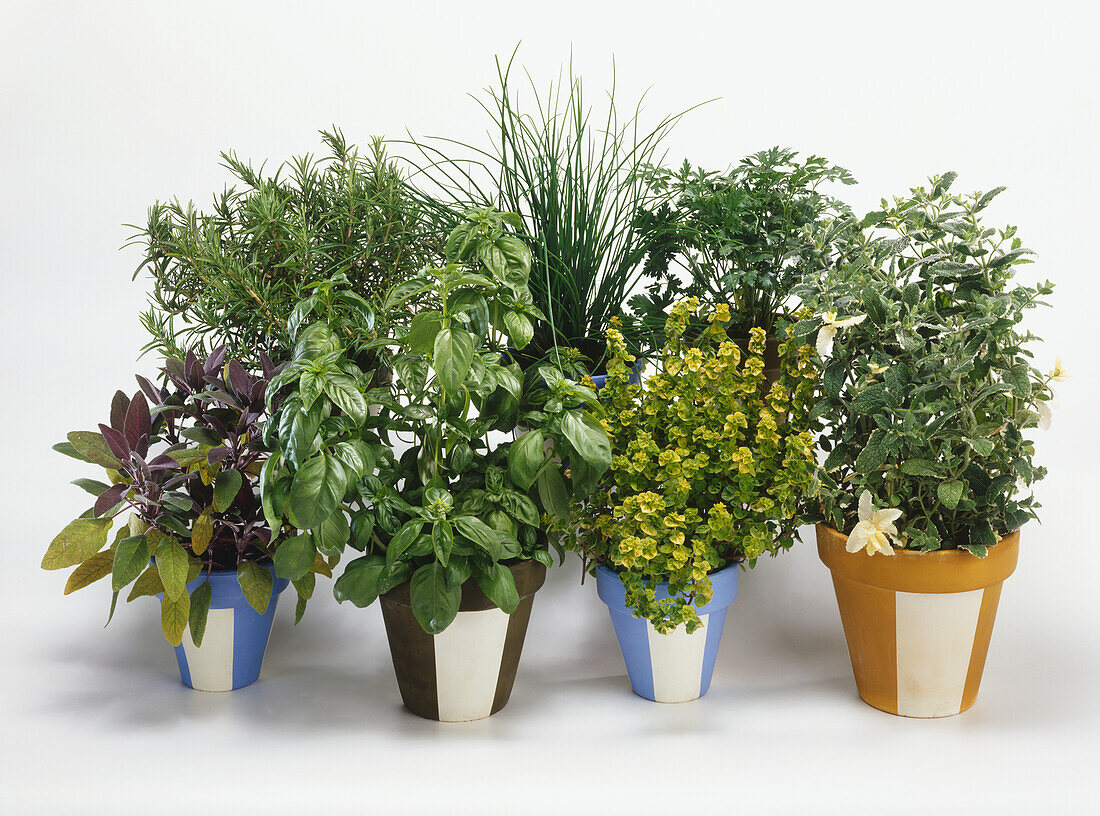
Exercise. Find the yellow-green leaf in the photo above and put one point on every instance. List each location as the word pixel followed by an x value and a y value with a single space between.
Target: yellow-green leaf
pixel 172 565
pixel 305 585
pixel 322 567
pixel 174 613
pixel 148 583
pixel 226 486
pixel 154 536
pixel 256 584
pixel 78 542
pixel 131 557
pixel 96 567
pixel 200 611
pixel 201 533
pixel 94 447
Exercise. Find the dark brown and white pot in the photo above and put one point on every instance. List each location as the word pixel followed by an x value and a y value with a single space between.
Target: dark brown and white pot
pixel 771 357
pixel 465 672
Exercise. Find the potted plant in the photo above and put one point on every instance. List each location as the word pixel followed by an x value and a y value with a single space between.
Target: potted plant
pixel 186 472
pixel 235 274
pixel 929 394
pixel 705 477
pixel 747 238
pixel 575 178
pixel 456 547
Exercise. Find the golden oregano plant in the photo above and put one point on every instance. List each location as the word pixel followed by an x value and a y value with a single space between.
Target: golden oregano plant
pixel 709 463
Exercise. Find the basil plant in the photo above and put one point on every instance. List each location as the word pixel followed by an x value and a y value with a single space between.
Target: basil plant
pixel 931 388
pixel 469 494
pixel 320 437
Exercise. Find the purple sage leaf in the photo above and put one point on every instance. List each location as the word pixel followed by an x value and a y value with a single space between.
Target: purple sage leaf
pixel 138 421
pixel 118 410
pixel 214 361
pixel 108 499
pixel 116 442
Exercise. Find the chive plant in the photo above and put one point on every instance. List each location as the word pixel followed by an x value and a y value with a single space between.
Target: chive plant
pixel 577 182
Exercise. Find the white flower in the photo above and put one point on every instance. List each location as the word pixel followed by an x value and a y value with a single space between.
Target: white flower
pixel 875 529
pixel 876 369
pixel 1046 410
pixel 1058 373
pixel 829 327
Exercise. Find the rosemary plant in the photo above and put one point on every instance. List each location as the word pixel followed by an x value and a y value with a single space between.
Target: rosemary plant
pixel 232 276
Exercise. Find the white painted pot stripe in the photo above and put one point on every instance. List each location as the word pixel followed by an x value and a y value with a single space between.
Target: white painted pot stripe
pixel 210 666
pixel 468 657
pixel 935 641
pixel 676 660
pixel 235 640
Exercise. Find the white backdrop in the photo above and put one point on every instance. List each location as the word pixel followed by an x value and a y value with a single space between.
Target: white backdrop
pixel 106 107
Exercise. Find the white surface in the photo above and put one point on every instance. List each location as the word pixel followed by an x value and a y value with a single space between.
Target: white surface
pixel 467 664
pixel 935 638
pixel 105 107
pixel 677 662
pixel 211 665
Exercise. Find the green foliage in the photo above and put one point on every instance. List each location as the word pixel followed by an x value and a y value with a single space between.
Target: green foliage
pixel 927 401
pixel 575 179
pixel 240 275
pixel 745 238
pixel 323 442
pixel 459 506
pixel 709 464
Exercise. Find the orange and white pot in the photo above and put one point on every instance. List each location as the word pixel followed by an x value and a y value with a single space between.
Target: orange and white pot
pixel 918 625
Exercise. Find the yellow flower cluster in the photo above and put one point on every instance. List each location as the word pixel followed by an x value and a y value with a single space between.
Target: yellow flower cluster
pixel 710 460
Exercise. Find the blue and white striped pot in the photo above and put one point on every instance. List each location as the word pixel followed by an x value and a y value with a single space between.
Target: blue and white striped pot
pixel 676 667
pixel 635 378
pixel 235 640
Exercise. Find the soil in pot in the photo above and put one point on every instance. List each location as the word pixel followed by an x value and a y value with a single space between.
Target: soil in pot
pixel 465 672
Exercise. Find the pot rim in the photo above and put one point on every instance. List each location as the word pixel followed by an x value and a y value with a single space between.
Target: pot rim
pixel 937 572
pixel 528 574
pixel 609 586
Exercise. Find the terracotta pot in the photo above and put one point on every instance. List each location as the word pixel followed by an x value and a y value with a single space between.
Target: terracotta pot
pixel 466 671
pixel 918 626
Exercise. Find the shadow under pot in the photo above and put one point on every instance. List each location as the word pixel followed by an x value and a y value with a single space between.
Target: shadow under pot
pixel 674 667
pixel 235 640
pixel 918 626
pixel 466 671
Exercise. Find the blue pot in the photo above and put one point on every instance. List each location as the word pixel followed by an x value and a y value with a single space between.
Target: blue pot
pixel 676 667
pixel 235 640
pixel 600 380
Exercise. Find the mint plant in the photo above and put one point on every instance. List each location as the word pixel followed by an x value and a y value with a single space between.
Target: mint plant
pixel 930 388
